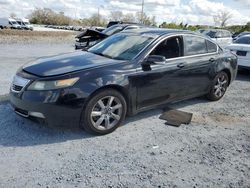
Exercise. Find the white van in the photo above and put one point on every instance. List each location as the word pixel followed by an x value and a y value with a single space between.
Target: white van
pixel 25 24
pixel 9 23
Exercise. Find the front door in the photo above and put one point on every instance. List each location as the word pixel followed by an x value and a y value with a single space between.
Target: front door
pixel 164 82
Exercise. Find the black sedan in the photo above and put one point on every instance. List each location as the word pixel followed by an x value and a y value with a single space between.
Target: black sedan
pixel 122 75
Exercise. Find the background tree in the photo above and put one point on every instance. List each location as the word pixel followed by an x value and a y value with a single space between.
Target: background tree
pixel 116 15
pixel 222 18
pixel 49 17
pixel 144 19
pixel 129 17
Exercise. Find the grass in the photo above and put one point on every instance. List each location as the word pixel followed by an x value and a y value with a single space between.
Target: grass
pixel 9 36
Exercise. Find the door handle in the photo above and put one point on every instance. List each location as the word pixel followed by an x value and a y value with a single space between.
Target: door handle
pixel 211 59
pixel 181 65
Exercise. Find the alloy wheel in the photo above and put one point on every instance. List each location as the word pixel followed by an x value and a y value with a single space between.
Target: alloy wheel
pixel 106 113
pixel 220 86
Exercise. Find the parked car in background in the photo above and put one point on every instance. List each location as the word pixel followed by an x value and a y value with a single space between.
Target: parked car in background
pixel 235 35
pixel 9 23
pixel 98 28
pixel 222 37
pixel 25 24
pixel 241 34
pixel 126 73
pixel 90 37
pixel 111 23
pixel 13 24
pixel 241 47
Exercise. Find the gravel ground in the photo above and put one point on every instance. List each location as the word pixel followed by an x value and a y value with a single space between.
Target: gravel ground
pixel 212 151
pixel 15 55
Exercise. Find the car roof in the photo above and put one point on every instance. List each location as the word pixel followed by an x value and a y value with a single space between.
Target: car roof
pixel 216 30
pixel 245 36
pixel 160 31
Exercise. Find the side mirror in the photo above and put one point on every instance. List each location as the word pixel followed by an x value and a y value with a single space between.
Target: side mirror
pixel 154 59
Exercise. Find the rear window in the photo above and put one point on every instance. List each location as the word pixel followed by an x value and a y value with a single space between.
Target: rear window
pixel 195 45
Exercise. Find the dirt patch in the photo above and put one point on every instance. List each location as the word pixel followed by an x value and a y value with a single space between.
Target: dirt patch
pixel 221 118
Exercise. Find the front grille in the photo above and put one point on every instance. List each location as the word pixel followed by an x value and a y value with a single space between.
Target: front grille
pixel 241 53
pixel 19 83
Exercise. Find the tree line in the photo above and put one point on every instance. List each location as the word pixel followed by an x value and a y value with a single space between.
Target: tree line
pixel 49 17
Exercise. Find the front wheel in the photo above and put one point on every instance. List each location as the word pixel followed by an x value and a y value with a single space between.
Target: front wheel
pixel 104 112
pixel 218 87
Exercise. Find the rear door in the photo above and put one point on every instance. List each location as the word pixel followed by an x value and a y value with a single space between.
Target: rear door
pixel 201 55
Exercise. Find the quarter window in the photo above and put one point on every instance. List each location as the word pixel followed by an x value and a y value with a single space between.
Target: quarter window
pixel 195 45
pixel 211 47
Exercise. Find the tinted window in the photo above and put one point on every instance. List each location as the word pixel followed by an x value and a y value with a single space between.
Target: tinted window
pixel 211 47
pixel 169 48
pixel 195 45
pixel 243 40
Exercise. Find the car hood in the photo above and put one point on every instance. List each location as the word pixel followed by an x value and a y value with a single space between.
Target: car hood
pixel 67 63
pixel 242 47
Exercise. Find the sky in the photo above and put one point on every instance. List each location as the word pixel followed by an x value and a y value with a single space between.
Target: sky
pixel 189 12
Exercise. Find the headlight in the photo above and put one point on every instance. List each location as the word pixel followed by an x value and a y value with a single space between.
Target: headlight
pixel 55 84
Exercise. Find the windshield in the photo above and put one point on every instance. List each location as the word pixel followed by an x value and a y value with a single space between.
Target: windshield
pixel 243 40
pixel 20 23
pixel 13 22
pixel 112 30
pixel 121 46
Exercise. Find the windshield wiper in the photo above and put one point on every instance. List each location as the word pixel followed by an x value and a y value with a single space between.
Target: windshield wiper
pixel 101 54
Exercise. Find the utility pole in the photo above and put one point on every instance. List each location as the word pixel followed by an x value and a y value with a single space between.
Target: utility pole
pixel 142 10
pixel 98 16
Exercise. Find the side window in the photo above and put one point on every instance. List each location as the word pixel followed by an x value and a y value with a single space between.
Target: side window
pixel 211 47
pixel 169 48
pixel 225 34
pixel 195 45
pixel 219 34
pixel 229 35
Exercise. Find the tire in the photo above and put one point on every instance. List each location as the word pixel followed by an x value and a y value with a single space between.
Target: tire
pixel 218 87
pixel 104 112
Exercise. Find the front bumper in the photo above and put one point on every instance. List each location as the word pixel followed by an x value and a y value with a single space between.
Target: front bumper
pixel 58 107
pixel 244 62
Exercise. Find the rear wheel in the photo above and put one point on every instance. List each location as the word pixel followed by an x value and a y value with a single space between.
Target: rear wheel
pixel 104 112
pixel 218 87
